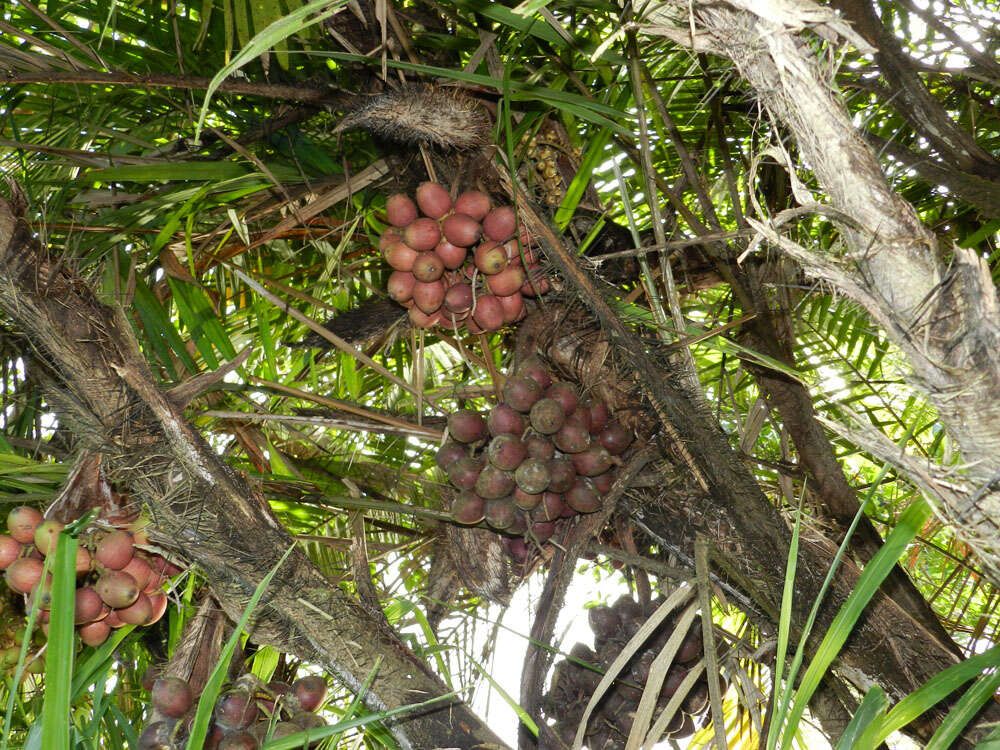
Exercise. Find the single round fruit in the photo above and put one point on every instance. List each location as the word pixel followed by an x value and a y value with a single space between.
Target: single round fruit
pixel 400 286
pixel 235 709
pixel 9 550
pixel 140 570
pixel 565 394
pixel 629 610
pixel 513 308
pixel 46 534
pixel 493 483
pixel 466 426
pixel 525 500
pixel 542 531
pixel 159 602
pixel 580 416
pixel 400 256
pixel 572 438
pixel 464 472
pixel 458 299
pixel 428 296
pixel 691 647
pixel 604 621
pixel 599 414
pixel 503 420
pixel 550 508
pixel 499 513
pixel 615 438
pixel 547 416
pixel 500 223
pixel 428 267
pixel 156 736
pixel 22 574
pixel 22 522
pixel 87 605
pixel 583 496
pixel 516 549
pixel 591 462
pixel 467 508
pixel 451 255
pixel 488 313
pixel 390 235
pixel 562 474
pixel 506 452
pixel 95 633
pixel 506 282
pixel 474 204
pixel 423 320
pixel 310 691
pixel 115 550
pixel 521 393
pixel 172 696
pixel 448 453
pixel 117 589
pixel 139 612
pixel 433 199
pixel 239 741
pixel 306 720
pixel 461 230
pixel 490 258
pixel 532 367
pixel 400 210
pixel 540 447
pixel 422 234
pixel 533 476
pixel 604 482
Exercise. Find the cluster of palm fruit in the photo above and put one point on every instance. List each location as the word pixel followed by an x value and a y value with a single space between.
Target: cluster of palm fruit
pixel 118 582
pixel 462 262
pixel 12 635
pixel 543 455
pixel 247 713
pixel 573 684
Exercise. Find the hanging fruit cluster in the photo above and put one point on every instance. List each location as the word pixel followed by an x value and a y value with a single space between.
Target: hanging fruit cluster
pixel 12 635
pixel 462 262
pixel 247 713
pixel 118 582
pixel 573 684
pixel 543 455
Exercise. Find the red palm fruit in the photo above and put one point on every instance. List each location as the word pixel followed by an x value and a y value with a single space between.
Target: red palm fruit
pixel 449 453
pixel 84 560
pixel 518 254
pixel 580 416
pixel 115 550
pixel 467 508
pixel 506 452
pixel 22 522
pixel 583 496
pixel 400 286
pixel 550 508
pixel 547 416
pixel 172 696
pixel 422 234
pixel 533 367
pixel 691 647
pixel 461 230
pixel 474 204
pixel 490 258
pixel 516 549
pixel 235 709
pixel 615 438
pixel 22 574
pixel 428 296
pixel 591 462
pixel 46 534
pixel 629 610
pixel 400 256
pixel 604 482
pixel 139 612
pixel 159 602
pixel 95 633
pixel 542 531
pixel 696 700
pixel 604 621
pixel 493 483
pixel 464 472
pixel 310 691
pixel 503 420
pixel 567 511
pixel 428 267
pixel 451 255
pixel 473 326
pixel 152 674
pixel 540 447
pixel 390 235
pixel 537 282
pixel 599 414
pixel 513 307
pixel 433 199
pixel 238 741
pixel 466 425
pixel 532 476
pixel 422 320
pixel 499 513
pixel 507 282
pixel 525 500
pixel 488 313
pixel 562 474
pixel 565 394
pixel 400 210
pixel 521 393
pixel 113 621
pixel 9 550
pixel 87 605
pixel 116 589
pixel 500 223
pixel 572 438
pixel 458 299
pixel 156 736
